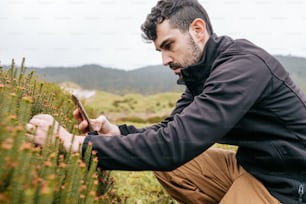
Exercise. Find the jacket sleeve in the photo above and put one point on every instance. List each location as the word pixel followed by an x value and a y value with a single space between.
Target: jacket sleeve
pixel 232 88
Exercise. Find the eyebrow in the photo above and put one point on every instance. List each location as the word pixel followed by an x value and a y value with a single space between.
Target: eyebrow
pixel 162 44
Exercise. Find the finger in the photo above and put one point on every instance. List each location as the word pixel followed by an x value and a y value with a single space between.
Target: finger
pixel 48 119
pixel 30 127
pixel 44 117
pixel 77 115
pixel 30 136
pixel 83 126
pixel 103 125
pixel 96 124
pixel 35 139
pixel 37 122
pixel 106 125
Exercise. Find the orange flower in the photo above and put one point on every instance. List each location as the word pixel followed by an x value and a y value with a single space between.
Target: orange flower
pixel 27 99
pixel 13 117
pixel 7 144
pixel 48 163
pixel 26 146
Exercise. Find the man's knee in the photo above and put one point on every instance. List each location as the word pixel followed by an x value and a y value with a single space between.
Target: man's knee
pixel 201 180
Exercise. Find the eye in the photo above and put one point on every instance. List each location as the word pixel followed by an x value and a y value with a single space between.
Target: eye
pixel 168 46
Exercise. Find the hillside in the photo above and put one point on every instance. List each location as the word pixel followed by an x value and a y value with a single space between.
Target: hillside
pixel 296 66
pixel 146 80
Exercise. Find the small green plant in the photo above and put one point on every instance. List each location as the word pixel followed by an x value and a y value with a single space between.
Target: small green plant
pixel 29 173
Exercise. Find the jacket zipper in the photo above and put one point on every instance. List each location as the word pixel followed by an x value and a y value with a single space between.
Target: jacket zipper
pixel 301 192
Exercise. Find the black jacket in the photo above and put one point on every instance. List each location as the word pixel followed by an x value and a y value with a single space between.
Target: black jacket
pixel 237 94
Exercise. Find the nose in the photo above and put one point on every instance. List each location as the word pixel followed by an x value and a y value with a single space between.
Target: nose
pixel 166 58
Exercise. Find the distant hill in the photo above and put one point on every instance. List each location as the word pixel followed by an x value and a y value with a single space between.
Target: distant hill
pixel 146 80
pixel 296 66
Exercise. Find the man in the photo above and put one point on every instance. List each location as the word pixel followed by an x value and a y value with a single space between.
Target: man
pixel 236 93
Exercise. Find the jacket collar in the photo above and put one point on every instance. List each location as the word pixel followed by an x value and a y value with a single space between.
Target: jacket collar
pixel 198 73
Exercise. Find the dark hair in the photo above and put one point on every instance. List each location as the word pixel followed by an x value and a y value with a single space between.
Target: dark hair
pixel 181 13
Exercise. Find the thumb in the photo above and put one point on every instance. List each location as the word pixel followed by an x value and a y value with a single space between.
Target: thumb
pixel 83 126
pixel 101 124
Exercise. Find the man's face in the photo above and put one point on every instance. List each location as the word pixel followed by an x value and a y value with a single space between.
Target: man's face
pixel 178 49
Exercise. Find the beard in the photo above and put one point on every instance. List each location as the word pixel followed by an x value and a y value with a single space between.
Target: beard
pixel 192 57
pixel 195 55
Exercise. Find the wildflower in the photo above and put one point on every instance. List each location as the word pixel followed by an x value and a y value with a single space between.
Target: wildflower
pixel 7 144
pixel 48 163
pixel 26 146
pixel 13 117
pixel 27 99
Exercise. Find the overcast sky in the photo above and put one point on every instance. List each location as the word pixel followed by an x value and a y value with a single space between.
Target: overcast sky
pixel 107 32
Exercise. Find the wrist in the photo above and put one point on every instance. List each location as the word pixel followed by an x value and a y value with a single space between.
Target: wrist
pixel 73 143
pixel 116 130
pixel 77 143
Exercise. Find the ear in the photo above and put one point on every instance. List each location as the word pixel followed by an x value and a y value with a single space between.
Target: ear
pixel 198 29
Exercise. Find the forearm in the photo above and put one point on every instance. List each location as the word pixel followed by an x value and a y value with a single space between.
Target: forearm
pixel 76 143
pixel 72 143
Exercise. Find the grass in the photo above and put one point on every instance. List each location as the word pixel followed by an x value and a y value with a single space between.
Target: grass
pixel 117 107
pixel 140 187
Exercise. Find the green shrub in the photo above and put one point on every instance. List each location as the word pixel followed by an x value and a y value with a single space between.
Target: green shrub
pixel 29 173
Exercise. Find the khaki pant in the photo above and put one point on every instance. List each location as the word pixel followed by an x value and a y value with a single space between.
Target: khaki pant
pixel 214 177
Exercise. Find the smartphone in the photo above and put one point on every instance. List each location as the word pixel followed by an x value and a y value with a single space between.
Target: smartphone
pixel 78 103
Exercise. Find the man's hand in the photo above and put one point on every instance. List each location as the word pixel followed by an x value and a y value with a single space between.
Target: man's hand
pixel 38 128
pixel 100 124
